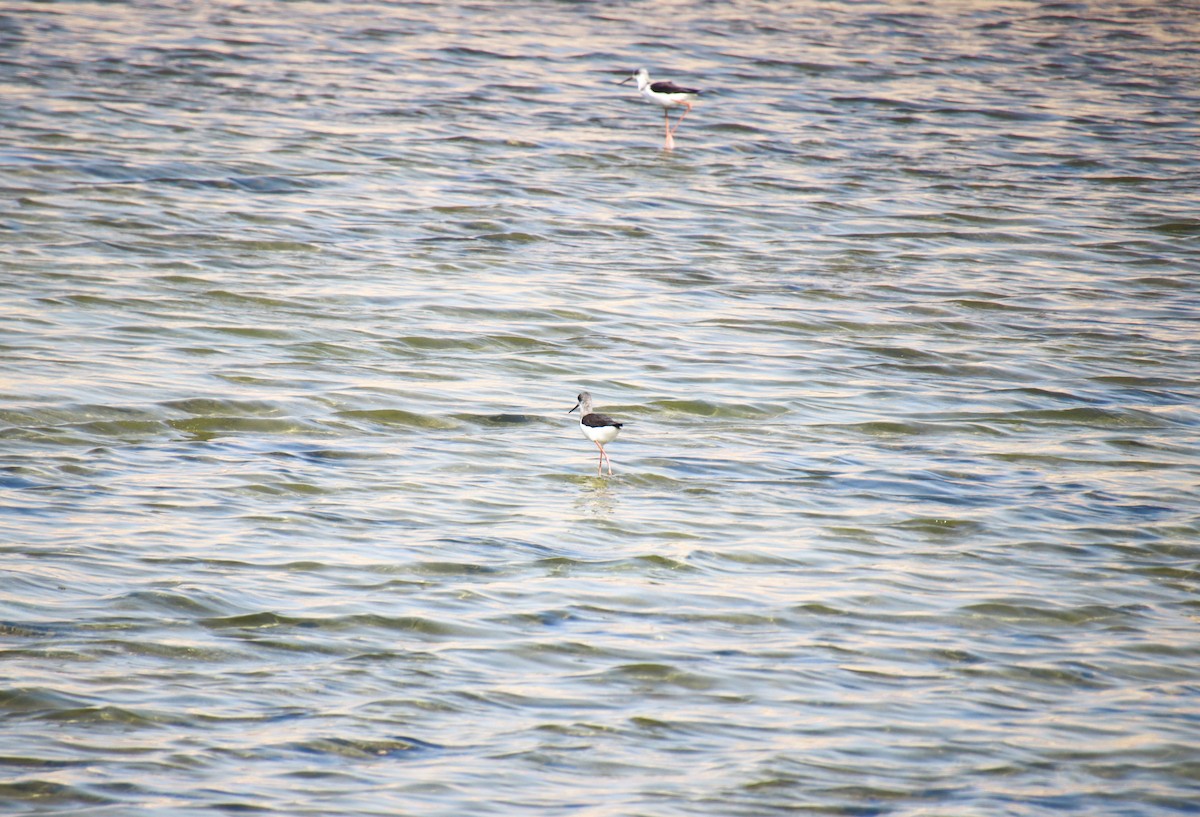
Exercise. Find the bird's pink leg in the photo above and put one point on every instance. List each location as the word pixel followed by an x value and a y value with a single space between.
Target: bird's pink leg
pixel 687 109
pixel 603 458
pixel 669 144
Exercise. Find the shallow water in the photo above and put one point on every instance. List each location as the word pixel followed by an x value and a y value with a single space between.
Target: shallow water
pixel 295 300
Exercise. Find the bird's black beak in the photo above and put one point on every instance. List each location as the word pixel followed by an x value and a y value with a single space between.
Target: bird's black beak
pixel 627 79
pixel 570 410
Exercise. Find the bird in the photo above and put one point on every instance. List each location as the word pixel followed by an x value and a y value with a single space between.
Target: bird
pixel 667 94
pixel 599 428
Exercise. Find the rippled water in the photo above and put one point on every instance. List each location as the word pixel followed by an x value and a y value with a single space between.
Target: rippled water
pixel 295 298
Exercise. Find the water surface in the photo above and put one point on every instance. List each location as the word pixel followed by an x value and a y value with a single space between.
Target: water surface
pixel 294 299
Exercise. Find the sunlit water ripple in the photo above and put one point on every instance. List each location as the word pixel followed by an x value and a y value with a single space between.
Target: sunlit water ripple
pixel 295 300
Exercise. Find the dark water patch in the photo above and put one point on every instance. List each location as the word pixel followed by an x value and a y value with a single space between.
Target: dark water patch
pixel 730 620
pixel 941 526
pixel 336 455
pixel 393 418
pixel 413 624
pixel 43 794
pixel 222 296
pixel 200 351
pixel 279 488
pixel 342 749
pixel 34 700
pixel 1091 417
pixel 324 350
pixel 17 629
pixel 29 763
pixel 208 428
pixel 277 185
pixel 58 437
pixel 655 675
pixel 440 343
pixel 114 716
pixel 1184 229
pixel 1157 282
pixel 704 408
pixel 253 332
pixel 500 420
pixel 1047 676
pixel 1042 614
pixel 819 609
pixel 542 618
pixel 736 560
pixel 990 305
pixel 901 353
pixel 274 623
pixel 876 102
pixel 510 237
pixel 959 371
pixel 127 430
pixel 738 128
pixel 657 561
pixel 1003 114
pixel 174 654
pixel 162 601
pixel 450 569
pixel 1040 395
pixel 251 621
pixel 890 428
pixel 74 414
pixel 217 407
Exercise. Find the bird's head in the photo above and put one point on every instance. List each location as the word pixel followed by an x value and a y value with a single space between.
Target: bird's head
pixel 641 76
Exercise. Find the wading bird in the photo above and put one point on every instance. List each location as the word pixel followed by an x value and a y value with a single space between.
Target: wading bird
pixel 599 428
pixel 667 94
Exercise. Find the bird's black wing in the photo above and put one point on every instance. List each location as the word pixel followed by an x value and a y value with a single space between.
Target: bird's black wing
pixel 599 421
pixel 670 88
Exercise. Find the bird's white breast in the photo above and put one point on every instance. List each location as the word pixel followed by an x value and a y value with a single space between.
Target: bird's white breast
pixel 600 434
